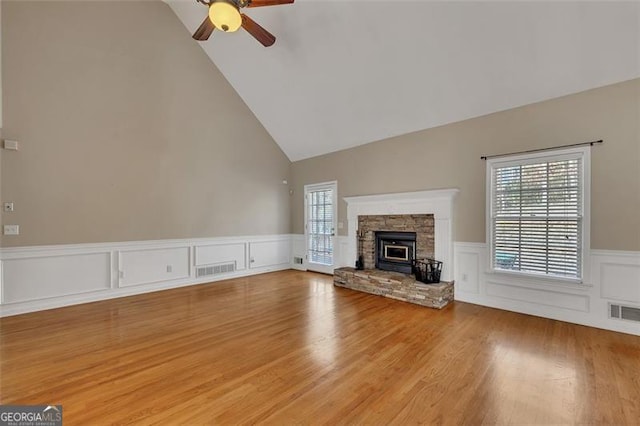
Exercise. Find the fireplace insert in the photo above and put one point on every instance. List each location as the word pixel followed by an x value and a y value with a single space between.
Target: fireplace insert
pixel 395 251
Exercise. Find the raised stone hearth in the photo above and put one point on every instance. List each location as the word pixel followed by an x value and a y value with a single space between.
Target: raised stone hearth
pixel 395 286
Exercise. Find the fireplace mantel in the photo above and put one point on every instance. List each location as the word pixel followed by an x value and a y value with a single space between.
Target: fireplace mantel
pixel 438 202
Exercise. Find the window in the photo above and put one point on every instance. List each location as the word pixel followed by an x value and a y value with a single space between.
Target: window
pixel 538 213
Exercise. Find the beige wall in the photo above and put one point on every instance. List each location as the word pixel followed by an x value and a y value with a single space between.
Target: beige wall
pixel 128 131
pixel 449 156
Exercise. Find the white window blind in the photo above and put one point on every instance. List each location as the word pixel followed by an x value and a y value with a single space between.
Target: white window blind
pixel 536 215
pixel 320 228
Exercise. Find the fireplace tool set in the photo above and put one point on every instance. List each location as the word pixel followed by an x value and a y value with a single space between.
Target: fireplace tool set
pixel 360 261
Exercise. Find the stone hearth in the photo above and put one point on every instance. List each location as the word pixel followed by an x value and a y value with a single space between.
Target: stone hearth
pixel 395 286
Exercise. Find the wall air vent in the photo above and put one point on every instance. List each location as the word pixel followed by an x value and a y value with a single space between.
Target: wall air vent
pixel 223 268
pixel 298 260
pixel 628 313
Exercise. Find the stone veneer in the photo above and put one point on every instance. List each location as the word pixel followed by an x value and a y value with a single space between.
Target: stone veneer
pixel 395 286
pixel 421 224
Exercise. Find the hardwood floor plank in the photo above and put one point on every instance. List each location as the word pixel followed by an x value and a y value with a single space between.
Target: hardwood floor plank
pixel 289 347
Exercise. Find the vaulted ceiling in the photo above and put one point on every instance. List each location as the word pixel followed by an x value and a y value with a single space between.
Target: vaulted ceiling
pixel 348 72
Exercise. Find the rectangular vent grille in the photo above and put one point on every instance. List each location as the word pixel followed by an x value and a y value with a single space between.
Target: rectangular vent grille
pixel 628 313
pixel 224 268
pixel 297 260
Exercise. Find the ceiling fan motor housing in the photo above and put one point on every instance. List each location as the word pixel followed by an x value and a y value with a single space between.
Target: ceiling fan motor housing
pixel 225 15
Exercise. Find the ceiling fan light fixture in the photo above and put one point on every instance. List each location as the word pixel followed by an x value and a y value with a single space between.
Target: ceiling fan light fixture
pixel 225 16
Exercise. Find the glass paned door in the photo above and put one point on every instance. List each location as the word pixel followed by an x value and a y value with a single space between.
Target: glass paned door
pixel 320 220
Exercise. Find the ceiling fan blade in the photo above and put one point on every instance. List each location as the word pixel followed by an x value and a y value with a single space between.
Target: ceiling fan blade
pixel 260 3
pixel 259 33
pixel 204 30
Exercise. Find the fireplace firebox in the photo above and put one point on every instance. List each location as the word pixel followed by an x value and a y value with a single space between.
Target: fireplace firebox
pixel 395 251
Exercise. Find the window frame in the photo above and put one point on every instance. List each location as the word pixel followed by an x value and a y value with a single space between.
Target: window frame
pixel 583 153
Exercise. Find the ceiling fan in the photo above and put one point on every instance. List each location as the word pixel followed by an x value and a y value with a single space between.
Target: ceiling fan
pixel 225 15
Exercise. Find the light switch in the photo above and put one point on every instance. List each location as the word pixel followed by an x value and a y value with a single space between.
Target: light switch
pixel 10 145
pixel 11 229
pixel 8 207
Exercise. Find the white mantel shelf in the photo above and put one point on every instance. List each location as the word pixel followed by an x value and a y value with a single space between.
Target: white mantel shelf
pixel 438 202
pixel 403 196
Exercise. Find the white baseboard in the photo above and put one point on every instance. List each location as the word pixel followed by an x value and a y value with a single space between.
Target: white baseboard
pixel 46 277
pixel 613 277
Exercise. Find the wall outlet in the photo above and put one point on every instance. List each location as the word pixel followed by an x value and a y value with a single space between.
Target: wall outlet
pixel 7 207
pixel 169 268
pixel 11 229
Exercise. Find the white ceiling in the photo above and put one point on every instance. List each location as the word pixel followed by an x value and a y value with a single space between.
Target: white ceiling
pixel 348 72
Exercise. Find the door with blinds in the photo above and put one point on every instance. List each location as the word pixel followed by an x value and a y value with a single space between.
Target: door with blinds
pixel 320 224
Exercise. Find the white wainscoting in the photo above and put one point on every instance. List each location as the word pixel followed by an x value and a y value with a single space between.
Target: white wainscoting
pixel 265 253
pixel 49 276
pixel 153 265
pixel 222 253
pixel 342 255
pixel 37 278
pixel 615 278
pixel 298 249
pixel 45 277
pixel 341 251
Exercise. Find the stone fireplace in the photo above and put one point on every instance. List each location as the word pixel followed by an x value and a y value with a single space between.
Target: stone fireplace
pixel 391 230
pixel 412 230
pixel 427 213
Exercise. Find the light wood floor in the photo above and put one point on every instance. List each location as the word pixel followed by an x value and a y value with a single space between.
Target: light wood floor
pixel 288 347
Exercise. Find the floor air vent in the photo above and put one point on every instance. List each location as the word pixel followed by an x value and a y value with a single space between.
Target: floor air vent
pixel 628 313
pixel 223 268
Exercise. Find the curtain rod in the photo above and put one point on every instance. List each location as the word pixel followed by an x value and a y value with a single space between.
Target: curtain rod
pixel 485 157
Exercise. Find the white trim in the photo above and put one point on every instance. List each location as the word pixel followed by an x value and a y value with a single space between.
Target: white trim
pixel 9 252
pixel 616 253
pixel 403 196
pixel 19 266
pixel 438 202
pixel 320 185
